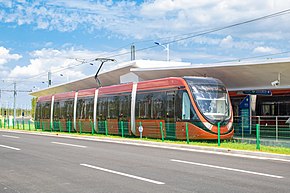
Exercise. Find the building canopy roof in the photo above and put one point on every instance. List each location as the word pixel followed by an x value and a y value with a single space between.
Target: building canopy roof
pixel 254 75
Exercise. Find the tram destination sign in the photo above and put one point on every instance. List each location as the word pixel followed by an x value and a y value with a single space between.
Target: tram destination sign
pixel 257 92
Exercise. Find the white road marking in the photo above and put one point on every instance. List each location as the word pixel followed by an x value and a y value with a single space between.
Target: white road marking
pixel 68 144
pixel 123 174
pixel 9 147
pixel 10 136
pixel 225 168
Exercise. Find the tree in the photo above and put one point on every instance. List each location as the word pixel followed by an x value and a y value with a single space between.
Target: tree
pixel 33 106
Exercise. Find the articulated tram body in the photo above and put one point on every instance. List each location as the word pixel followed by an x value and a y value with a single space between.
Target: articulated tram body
pixel 168 103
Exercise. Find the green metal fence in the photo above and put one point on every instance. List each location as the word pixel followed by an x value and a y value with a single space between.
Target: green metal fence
pixel 158 129
pixel 16 124
pixel 152 129
pixel 271 127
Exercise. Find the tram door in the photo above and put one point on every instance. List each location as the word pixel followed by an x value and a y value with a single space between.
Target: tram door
pixel 170 122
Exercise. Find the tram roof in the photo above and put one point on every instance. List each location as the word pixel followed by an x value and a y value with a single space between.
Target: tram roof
pixel 243 75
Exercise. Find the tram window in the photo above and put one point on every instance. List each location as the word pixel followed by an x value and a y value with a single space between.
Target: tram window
pixel 124 107
pixel 85 108
pixel 144 106
pixel 68 109
pixel 158 105
pixel 178 105
pixel 56 111
pixel 62 111
pixel 81 108
pixel 46 110
pixel 185 107
pixel 41 110
pixel 113 103
pixel 102 108
pixel 170 104
pixel 89 102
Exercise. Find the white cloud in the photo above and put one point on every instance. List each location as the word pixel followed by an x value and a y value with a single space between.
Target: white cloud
pixel 47 59
pixel 157 17
pixel 161 8
pixel 262 49
pixel 149 19
pixel 66 61
pixel 5 56
pixel 46 53
pixel 227 42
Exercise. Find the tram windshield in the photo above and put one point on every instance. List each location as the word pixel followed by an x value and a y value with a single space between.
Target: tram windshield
pixel 211 97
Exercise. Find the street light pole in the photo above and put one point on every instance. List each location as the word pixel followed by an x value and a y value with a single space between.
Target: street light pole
pixel 166 48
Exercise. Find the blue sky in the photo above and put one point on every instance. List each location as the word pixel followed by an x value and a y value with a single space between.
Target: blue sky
pixel 42 35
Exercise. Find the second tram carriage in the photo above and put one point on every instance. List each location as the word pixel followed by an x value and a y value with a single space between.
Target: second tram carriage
pixel 168 104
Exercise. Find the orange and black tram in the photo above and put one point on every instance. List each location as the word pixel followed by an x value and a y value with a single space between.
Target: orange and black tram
pixel 167 105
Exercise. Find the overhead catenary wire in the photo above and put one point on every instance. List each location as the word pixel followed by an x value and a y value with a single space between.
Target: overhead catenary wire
pixel 209 31
pixel 287 11
pixel 252 57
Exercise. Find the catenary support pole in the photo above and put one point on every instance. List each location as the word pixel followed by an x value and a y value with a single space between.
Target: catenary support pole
pixel 187 135
pixel 219 134
pixel 258 137
pixel 122 128
pixel 161 131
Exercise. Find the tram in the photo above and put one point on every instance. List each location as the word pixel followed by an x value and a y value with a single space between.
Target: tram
pixel 169 107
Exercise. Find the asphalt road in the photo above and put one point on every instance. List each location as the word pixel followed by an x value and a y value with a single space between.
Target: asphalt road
pixel 46 164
